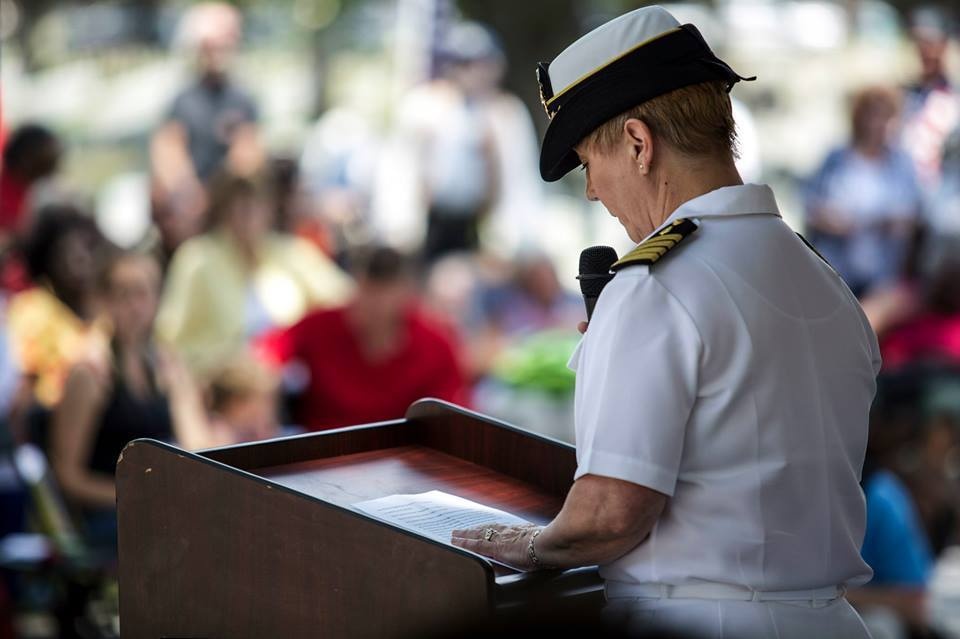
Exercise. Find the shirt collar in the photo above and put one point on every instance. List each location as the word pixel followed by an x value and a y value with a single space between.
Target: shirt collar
pixel 742 199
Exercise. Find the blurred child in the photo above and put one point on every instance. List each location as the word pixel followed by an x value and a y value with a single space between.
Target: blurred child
pixel 243 399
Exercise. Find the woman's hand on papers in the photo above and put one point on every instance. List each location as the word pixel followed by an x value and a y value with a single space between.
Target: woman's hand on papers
pixel 507 544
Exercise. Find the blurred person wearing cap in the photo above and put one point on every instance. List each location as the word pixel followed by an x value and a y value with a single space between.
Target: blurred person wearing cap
pixel 449 123
pixel 724 383
pixel 474 143
pixel 212 125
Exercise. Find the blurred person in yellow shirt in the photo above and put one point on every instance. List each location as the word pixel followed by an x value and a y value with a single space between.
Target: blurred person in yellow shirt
pixel 56 322
pixel 240 279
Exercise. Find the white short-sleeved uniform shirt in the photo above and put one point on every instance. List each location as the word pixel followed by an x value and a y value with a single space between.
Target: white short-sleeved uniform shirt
pixel 734 375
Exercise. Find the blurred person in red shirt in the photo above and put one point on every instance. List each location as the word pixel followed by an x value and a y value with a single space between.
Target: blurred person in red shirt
pixel 932 335
pixel 31 153
pixel 370 359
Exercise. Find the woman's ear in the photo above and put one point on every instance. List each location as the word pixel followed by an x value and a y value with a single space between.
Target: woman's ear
pixel 640 139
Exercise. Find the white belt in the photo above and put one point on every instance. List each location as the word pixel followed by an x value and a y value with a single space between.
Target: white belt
pixel 818 596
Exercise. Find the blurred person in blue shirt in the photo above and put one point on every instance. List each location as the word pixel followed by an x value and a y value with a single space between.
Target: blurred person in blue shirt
pixel 896 544
pixel 863 203
pixel 532 301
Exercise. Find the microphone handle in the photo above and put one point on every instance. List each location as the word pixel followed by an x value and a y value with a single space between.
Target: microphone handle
pixel 590 301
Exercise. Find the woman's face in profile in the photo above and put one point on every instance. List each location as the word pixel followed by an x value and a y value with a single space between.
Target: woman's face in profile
pixel 613 180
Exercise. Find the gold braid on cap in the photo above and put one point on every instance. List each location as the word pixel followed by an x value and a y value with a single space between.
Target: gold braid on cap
pixel 546 88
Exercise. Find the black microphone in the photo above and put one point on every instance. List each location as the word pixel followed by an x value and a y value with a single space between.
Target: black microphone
pixel 595 263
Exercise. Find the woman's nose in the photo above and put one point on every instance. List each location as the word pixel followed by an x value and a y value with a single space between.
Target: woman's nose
pixel 591 194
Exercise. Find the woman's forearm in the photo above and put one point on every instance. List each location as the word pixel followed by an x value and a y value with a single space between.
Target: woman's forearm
pixel 89 489
pixel 601 521
pixel 74 427
pixel 559 547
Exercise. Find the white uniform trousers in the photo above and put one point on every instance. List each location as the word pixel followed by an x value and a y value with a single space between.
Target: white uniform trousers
pixel 721 611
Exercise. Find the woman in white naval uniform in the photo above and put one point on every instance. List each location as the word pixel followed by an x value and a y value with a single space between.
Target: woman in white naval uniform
pixel 724 383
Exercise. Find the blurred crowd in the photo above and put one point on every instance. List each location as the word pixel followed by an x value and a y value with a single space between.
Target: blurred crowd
pixel 882 208
pixel 262 303
pixel 273 295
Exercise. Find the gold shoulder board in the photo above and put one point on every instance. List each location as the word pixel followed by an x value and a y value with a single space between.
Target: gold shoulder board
pixel 655 247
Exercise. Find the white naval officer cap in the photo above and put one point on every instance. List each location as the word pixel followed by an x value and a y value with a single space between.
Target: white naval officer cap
pixel 625 62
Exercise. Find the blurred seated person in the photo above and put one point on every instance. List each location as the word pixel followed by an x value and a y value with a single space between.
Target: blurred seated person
pixel 298 212
pixel 370 359
pixel 895 545
pixel 532 301
pixel 243 399
pixel 932 102
pixel 943 213
pixel 54 324
pixel 240 279
pixel 138 392
pixel 31 153
pixel 932 336
pixel 863 202
pixel 211 126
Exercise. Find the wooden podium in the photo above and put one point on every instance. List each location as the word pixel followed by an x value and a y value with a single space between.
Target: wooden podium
pixel 260 540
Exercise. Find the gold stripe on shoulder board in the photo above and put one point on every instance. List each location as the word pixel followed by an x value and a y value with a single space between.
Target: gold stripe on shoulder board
pixel 656 247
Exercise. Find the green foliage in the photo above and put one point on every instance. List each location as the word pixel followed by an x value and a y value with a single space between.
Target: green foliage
pixel 539 362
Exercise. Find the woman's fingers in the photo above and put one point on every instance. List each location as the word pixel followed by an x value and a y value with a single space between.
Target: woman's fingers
pixel 474 545
pixel 479 532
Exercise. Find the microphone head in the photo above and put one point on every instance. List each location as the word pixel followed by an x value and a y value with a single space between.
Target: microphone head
pixel 595 263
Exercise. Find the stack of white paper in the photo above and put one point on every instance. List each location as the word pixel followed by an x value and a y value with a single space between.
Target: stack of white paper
pixel 435 514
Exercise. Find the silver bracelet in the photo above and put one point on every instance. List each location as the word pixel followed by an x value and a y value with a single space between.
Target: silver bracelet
pixel 532 551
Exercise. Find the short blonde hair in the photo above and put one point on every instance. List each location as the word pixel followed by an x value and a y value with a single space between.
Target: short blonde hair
pixel 241 377
pixel 696 120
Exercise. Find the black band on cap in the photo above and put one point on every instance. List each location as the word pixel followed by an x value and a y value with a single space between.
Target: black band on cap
pixel 678 59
